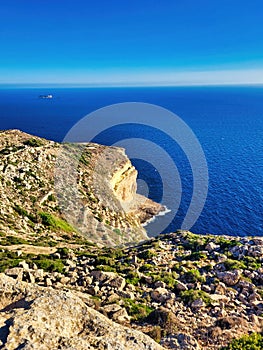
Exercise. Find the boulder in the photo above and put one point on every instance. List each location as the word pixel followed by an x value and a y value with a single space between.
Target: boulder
pixel 55 319
pixel 160 294
pixel 230 278
pixel 180 341
pixel 180 286
pixel 211 246
pixel 198 304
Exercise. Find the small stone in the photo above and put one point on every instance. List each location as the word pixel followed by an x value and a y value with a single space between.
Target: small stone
pixel 48 282
pixel 160 294
pixel 24 264
pixel 211 246
pixel 220 288
pixel 180 286
pixel 159 284
pixel 19 253
pixel 198 304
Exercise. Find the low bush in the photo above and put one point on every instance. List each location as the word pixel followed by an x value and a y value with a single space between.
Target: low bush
pixel 146 267
pixel 234 264
pixel 33 142
pixel 253 341
pixel 55 222
pixel 166 277
pixel 193 275
pixel 106 268
pixel 147 254
pixel 136 310
pixel 191 295
pixel 164 318
pixel 50 265
pixel 11 240
pixel 64 252
pixel 132 278
pixel 104 260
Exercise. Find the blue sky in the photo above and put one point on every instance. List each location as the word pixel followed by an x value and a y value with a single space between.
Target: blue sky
pixel 122 42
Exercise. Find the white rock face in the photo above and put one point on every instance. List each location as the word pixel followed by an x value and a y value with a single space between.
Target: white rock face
pixel 34 317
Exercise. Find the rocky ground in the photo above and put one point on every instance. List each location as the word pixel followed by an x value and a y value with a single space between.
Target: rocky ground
pixel 185 291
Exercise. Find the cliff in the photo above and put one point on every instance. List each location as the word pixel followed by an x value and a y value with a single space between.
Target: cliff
pixel 41 196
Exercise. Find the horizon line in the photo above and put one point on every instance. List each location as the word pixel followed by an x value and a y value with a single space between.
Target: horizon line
pixel 119 85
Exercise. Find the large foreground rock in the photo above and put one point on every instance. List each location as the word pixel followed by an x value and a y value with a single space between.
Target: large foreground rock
pixel 34 317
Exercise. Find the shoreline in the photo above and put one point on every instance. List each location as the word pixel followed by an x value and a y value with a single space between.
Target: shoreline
pixel 152 219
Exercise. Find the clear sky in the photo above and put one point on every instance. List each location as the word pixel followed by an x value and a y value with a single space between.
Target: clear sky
pixel 125 42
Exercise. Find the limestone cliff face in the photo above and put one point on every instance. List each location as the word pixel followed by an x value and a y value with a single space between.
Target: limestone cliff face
pixel 123 183
pixel 57 190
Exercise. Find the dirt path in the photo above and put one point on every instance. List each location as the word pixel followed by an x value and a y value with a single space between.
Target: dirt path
pixel 31 249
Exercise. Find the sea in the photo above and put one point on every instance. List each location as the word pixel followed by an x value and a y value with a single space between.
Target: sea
pixel 227 122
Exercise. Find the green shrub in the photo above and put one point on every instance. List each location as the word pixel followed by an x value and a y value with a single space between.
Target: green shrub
pixel 197 256
pixel 104 260
pixel 8 260
pixel 106 268
pixel 191 295
pixel 234 264
pixel 33 142
pixel 146 267
pixel 118 231
pixel 225 243
pixel 194 242
pixel 132 278
pixel 51 198
pixel 55 222
pixel 23 212
pixel 83 160
pixel 252 263
pixel 11 240
pixel 136 310
pixel 194 275
pixel 253 341
pixel 8 150
pixel 115 253
pixel 166 277
pixel 147 254
pixel 50 265
pixel 63 252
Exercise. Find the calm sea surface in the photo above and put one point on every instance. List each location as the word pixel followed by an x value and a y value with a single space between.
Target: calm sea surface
pixel 228 122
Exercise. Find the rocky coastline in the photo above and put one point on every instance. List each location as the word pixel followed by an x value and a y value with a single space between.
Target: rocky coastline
pixel 65 289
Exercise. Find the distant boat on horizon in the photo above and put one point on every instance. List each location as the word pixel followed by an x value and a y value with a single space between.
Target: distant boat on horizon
pixel 46 96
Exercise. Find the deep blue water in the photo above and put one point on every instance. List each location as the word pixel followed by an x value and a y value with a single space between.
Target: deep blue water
pixel 228 121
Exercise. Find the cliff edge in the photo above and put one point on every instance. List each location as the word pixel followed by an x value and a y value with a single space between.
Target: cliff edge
pixel 59 190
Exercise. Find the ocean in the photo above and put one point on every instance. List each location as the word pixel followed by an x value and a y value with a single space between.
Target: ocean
pixel 227 121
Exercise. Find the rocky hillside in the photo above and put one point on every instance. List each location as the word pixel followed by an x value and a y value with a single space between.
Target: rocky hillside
pixel 59 290
pixel 39 200
pixel 183 290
